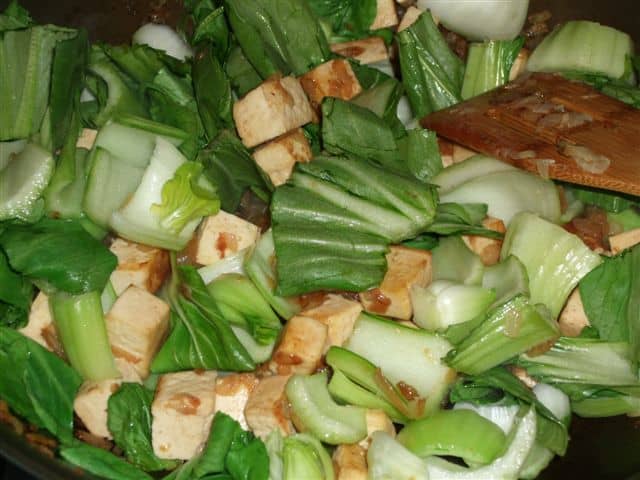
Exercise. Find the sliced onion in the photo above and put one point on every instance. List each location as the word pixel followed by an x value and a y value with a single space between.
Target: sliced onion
pixel 480 19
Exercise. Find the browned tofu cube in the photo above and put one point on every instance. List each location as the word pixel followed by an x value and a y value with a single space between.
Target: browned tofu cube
pixel 300 348
pixel 278 157
pixel 232 394
pixel 573 319
pixel 275 107
pixel 182 409
pixel 411 14
pixel 334 78
pixel 92 399
pixel 377 421
pixel 221 235
pixel 339 315
pixel 488 249
pixel 137 325
pixel 140 265
pixel 386 15
pixel 350 462
pixel 366 51
pixel 624 240
pixel 268 408
pixel 406 267
pixel 87 138
pixel 451 153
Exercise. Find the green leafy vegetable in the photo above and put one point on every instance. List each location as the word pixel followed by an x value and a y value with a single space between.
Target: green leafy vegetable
pixel 230 167
pixel 201 336
pixel 213 93
pixel 14 17
pixel 102 463
pixel 80 325
pixel 129 421
pixel 184 199
pixel 431 74
pixel 348 19
pixel 333 221
pixel 37 384
pixel 242 75
pixel 238 299
pixel 499 385
pixel 278 36
pixel 16 293
pixel 60 253
pixel 489 65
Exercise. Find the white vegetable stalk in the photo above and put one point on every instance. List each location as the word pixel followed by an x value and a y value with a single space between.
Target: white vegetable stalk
pixel 444 303
pixel 506 467
pixel 480 19
pixel 389 460
pixel 503 416
pixel 230 264
pixel 163 37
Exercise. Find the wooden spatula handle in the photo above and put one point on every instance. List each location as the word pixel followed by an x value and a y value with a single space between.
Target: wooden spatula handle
pixel 556 127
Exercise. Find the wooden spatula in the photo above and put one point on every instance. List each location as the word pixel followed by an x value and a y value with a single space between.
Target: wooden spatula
pixel 556 127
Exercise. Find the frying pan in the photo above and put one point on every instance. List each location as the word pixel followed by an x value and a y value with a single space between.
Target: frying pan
pixel 603 449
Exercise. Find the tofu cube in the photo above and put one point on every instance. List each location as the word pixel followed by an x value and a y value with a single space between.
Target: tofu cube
pixel 624 240
pixel 40 320
pixel 406 267
pixel 488 249
pixel 339 315
pixel 275 107
pixel 366 51
pixel 573 319
pixel 350 462
pixel 334 78
pixel 268 408
pixel 377 421
pixel 300 348
pixel 409 18
pixel 182 409
pixel 92 399
pixel 386 15
pixel 278 157
pixel 87 138
pixel 140 265
pixel 137 324
pixel 232 394
pixel 222 235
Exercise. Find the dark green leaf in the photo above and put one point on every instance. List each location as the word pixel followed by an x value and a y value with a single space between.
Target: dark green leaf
pixel 213 93
pixel 37 384
pixel 201 337
pixel 610 294
pixel 498 384
pixel 233 450
pixel 349 19
pixel 431 73
pixel 210 25
pixel 14 17
pixel 16 293
pixel 59 252
pixel 67 76
pixel 462 219
pixel 129 421
pixel 242 75
pixel 278 35
pixel 382 99
pixel 357 131
pixel 230 167
pixel 102 463
pixel 420 151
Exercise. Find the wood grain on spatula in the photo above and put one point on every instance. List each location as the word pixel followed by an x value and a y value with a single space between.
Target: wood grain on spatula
pixel 558 128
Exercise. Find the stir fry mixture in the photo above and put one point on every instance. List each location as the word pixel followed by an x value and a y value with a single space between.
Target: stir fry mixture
pixel 229 250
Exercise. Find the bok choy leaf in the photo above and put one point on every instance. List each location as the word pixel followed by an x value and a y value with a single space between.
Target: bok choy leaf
pixel 16 293
pixel 431 73
pixel 201 337
pixel 278 36
pixel 37 384
pixel 129 421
